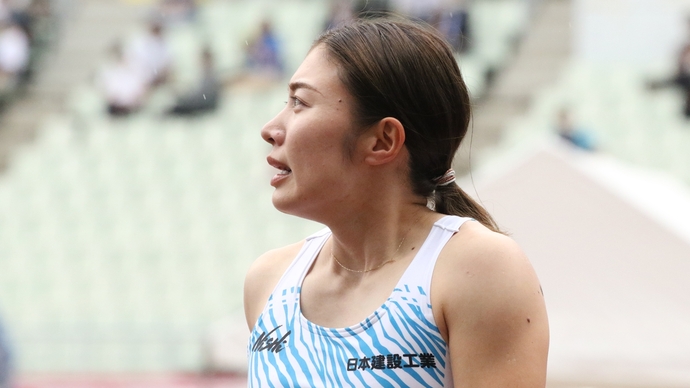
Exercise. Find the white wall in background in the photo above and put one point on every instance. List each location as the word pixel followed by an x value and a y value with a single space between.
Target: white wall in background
pixel 644 32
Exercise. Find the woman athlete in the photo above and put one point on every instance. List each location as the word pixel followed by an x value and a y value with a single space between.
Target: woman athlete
pixel 411 284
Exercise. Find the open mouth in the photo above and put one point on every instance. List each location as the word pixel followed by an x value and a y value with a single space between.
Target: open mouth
pixel 283 169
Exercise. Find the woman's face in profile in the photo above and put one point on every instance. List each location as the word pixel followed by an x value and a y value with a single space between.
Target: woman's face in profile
pixel 308 138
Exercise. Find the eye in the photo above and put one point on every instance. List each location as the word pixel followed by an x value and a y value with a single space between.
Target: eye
pixel 295 102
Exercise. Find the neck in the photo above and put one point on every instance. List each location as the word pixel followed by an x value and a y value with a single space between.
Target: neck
pixel 371 238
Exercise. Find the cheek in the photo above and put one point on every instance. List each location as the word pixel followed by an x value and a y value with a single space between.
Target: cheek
pixel 314 154
pixel 324 141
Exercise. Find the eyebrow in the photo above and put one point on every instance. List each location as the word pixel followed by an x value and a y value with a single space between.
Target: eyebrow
pixel 302 85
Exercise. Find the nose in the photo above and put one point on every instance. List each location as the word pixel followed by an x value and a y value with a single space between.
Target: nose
pixel 273 132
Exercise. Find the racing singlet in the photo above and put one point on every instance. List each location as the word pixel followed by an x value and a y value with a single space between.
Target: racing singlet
pixel 398 345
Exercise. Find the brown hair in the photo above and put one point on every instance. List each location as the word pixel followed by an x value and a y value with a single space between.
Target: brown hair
pixel 401 69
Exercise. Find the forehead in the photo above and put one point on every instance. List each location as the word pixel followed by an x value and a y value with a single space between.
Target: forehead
pixel 319 71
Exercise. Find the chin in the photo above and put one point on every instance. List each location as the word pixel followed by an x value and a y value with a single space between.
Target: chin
pixel 283 204
pixel 293 207
pixel 280 207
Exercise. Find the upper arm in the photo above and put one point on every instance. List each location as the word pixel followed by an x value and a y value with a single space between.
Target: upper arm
pixel 494 313
pixel 262 277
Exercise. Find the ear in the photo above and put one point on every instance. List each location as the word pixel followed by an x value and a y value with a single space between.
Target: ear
pixel 384 141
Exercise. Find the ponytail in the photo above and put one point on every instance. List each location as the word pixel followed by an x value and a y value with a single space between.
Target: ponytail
pixel 451 199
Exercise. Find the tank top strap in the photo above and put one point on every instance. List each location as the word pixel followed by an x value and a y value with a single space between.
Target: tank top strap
pixel 303 261
pixel 421 269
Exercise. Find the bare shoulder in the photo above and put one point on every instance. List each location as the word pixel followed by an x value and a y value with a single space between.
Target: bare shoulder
pixel 488 263
pixel 492 310
pixel 262 277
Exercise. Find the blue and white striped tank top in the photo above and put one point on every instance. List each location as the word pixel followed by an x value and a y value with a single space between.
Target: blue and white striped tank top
pixel 398 345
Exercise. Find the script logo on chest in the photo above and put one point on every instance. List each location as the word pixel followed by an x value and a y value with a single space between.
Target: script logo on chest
pixel 270 342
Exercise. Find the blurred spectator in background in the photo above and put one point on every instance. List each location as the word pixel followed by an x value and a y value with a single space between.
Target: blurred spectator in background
pixel 263 64
pixel 35 19
pixel 452 20
pixel 340 13
pixel 175 12
pixel 569 132
pixel 5 10
pixel 41 22
pixel 415 9
pixel 373 8
pixel 20 16
pixel 264 52
pixel 204 97
pixel 681 78
pixel 122 83
pixel 32 16
pixel 5 360
pixel 449 17
pixel 151 54
pixel 14 54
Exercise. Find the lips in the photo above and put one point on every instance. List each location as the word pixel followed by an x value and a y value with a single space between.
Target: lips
pixel 282 167
pixel 283 170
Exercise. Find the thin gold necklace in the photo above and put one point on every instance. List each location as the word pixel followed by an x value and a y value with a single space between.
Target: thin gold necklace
pixel 392 259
